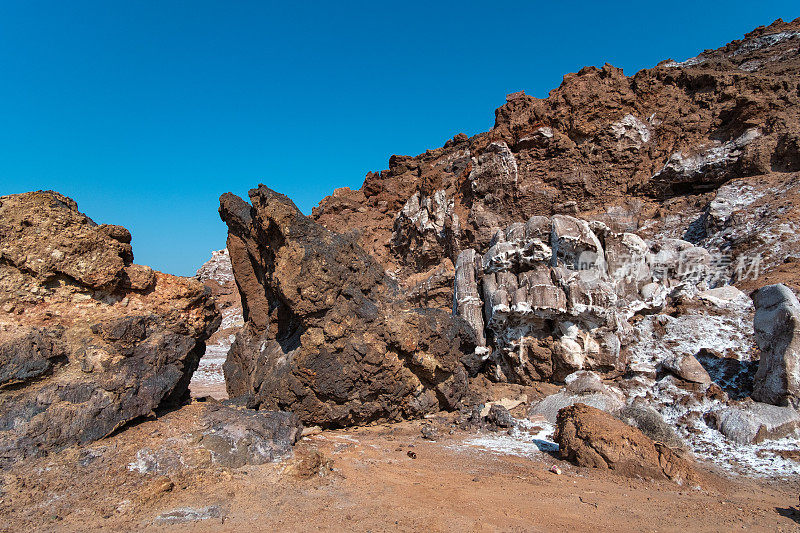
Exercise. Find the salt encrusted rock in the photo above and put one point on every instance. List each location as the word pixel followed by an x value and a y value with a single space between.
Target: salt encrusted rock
pixel 582 387
pixel 575 245
pixel 688 368
pixel 754 422
pixel 217 269
pixel 496 166
pixel 88 341
pixel 426 229
pixel 777 328
pixel 466 300
pixel 555 301
pixel 328 334
pixel 705 169
pixel 676 261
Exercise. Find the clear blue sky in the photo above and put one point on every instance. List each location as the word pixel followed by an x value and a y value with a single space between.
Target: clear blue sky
pixel 146 111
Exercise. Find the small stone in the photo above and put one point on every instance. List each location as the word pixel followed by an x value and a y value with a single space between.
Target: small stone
pixel 500 417
pixel 429 432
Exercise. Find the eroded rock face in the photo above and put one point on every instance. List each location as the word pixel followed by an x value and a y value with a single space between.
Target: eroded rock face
pixel 777 331
pixel 557 295
pixel 328 334
pixel 590 437
pixel 88 340
pixel 425 230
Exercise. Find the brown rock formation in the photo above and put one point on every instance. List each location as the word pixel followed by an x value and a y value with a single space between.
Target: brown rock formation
pixel 590 437
pixel 328 335
pixel 646 150
pixel 88 340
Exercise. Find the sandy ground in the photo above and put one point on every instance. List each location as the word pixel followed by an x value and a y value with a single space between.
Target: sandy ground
pixel 379 478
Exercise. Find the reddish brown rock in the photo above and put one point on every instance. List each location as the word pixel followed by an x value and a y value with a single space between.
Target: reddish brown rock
pixel 328 334
pixel 593 438
pixel 88 341
pixel 649 149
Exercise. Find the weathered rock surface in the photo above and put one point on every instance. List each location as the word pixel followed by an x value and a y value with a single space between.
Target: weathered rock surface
pixel 582 387
pixel 328 334
pixel 237 437
pixel 557 295
pixel 777 329
pixel 590 437
pixel 652 424
pixel 89 341
pixel 688 368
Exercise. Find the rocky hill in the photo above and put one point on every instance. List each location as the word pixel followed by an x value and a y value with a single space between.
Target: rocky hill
pixel 705 150
pixel 600 238
pixel 603 283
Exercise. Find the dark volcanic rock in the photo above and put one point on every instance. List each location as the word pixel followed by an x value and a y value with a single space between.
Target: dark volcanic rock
pixel 88 340
pixel 328 334
pixel 500 417
pixel 590 437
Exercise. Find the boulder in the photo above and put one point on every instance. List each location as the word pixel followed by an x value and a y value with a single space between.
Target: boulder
pixel 582 387
pixel 89 341
pixel 592 438
pixel 237 437
pixel 500 417
pixel 328 335
pixel 777 332
pixel 754 422
pixel 652 424
pixel 686 367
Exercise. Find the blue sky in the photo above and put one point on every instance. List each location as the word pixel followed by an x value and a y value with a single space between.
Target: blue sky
pixel 146 111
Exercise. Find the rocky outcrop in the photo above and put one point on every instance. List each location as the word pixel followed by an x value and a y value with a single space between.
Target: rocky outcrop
pixel 328 334
pixel 555 295
pixel 590 437
pixel 777 328
pixel 89 341
pixel 645 154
